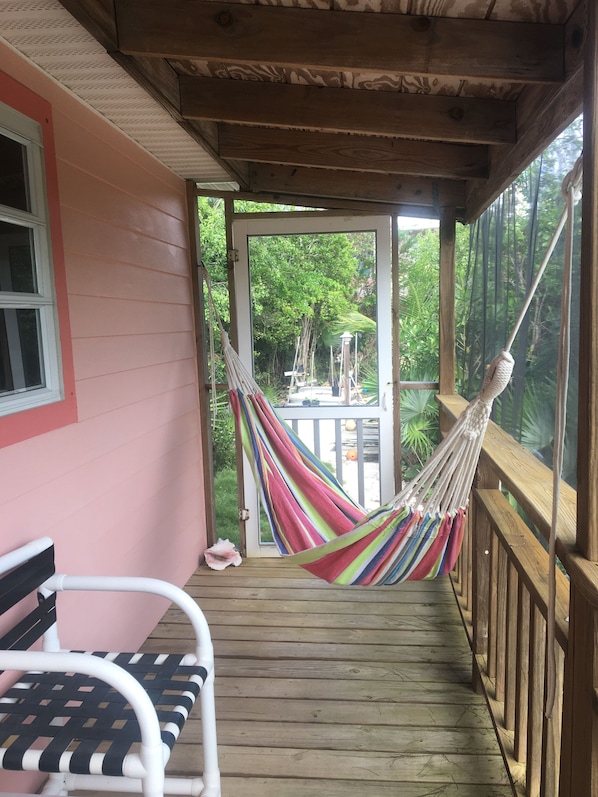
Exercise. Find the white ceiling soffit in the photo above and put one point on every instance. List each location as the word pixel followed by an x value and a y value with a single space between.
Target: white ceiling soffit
pixel 44 32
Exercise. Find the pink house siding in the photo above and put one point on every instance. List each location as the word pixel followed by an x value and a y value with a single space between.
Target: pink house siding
pixel 120 490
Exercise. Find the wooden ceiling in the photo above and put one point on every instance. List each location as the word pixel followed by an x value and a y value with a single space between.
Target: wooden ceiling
pixel 412 105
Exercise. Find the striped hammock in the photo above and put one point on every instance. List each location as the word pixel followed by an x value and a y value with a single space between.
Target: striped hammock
pixel 415 536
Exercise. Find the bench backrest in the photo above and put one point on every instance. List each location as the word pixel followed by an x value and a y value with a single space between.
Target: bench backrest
pixel 22 572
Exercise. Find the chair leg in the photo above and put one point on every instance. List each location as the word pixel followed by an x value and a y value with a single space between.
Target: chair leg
pixel 211 772
pixel 56 785
pixel 152 760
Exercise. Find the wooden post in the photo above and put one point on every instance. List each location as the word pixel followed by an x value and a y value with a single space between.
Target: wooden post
pixel 200 351
pixel 229 208
pixel 579 757
pixel 396 352
pixel 587 455
pixel 579 765
pixel 446 320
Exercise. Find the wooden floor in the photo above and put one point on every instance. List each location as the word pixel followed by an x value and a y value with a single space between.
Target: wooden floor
pixel 326 691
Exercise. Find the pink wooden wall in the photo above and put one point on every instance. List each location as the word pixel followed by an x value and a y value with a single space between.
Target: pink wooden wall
pixel 120 491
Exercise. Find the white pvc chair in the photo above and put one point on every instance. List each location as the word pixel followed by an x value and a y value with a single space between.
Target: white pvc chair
pixel 99 721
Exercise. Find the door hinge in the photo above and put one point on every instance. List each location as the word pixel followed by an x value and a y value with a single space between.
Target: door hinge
pixel 243 514
pixel 232 255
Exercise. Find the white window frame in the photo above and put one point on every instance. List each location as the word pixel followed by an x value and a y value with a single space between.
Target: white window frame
pixel 28 132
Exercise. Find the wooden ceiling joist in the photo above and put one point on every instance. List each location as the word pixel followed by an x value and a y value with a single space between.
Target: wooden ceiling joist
pixel 344 151
pixel 329 203
pixel 321 39
pixel 383 113
pixel 353 185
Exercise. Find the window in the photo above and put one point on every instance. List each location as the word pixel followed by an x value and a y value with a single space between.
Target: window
pixel 29 375
pixel 36 381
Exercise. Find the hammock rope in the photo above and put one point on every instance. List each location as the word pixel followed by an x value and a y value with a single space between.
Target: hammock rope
pixel 415 536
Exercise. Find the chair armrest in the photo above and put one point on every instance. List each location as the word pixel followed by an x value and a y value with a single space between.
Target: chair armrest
pixel 204 650
pixel 94 666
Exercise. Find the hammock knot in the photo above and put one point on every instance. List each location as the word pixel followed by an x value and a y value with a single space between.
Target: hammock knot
pixel 573 180
pixel 497 377
pixel 476 419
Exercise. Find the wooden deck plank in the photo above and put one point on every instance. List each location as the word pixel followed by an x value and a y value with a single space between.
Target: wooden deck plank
pixel 348 670
pixel 258 761
pixel 397 654
pixel 265 578
pixel 378 692
pixel 372 622
pixel 319 606
pixel 436 637
pixel 399 715
pixel 285 787
pixel 352 736
pixel 324 690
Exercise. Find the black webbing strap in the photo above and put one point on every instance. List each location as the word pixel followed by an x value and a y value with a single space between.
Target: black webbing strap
pixel 26 578
pixel 28 630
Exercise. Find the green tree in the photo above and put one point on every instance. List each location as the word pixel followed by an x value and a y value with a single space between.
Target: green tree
pixel 300 285
pixel 418 309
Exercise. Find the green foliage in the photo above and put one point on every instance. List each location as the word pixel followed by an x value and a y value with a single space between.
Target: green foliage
pixel 299 283
pixel 353 321
pixel 419 428
pixel 537 433
pixel 213 250
pixel 507 245
pixel 223 441
pixel 418 312
pixel 227 512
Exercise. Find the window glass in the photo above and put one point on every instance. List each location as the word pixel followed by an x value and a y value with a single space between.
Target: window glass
pixel 20 351
pixel 14 182
pixel 17 259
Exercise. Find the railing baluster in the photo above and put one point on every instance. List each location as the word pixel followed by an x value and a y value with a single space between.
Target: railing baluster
pixel 360 463
pixel 522 686
pixel 551 737
pixel 501 624
pixel 493 608
pixel 338 448
pixel 511 646
pixel 317 441
pixel 480 534
pixel 465 568
pixel 537 640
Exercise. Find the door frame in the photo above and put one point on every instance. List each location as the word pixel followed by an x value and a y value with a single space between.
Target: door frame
pixel 289 224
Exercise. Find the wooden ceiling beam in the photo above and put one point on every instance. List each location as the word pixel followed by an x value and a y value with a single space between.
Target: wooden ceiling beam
pixel 335 204
pixel 384 113
pixel 422 191
pixel 356 153
pixel 364 42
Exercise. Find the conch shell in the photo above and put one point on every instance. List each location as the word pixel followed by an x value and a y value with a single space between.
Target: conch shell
pixel 221 555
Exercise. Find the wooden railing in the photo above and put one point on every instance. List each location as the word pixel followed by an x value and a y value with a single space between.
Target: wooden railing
pixel 501 583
